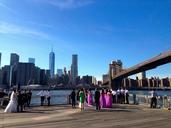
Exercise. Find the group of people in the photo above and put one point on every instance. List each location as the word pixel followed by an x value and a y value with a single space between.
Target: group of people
pixel 121 96
pixel 19 99
pixel 101 99
pixel 45 95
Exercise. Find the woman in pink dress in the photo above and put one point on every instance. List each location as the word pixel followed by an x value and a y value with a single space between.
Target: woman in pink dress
pixel 90 98
pixel 103 99
pixel 109 99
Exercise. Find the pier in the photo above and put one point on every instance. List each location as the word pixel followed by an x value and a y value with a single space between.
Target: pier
pixel 62 116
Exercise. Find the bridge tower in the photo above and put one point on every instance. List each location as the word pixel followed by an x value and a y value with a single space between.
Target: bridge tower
pixel 114 69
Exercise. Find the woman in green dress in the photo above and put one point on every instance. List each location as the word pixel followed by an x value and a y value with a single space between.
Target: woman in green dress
pixel 82 98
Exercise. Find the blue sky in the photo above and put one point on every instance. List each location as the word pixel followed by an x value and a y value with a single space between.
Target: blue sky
pixel 99 31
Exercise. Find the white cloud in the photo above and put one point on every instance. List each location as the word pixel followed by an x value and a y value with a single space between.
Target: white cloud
pixel 66 4
pixel 8 28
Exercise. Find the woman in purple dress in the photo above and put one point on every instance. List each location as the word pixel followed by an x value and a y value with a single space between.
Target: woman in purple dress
pixel 103 99
pixel 90 98
pixel 109 99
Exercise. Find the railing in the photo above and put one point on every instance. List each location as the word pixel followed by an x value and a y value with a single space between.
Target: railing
pixel 35 100
pixel 162 101
pixel 55 100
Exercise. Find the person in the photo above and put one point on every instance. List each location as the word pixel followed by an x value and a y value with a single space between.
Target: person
pixel 109 99
pixel 12 105
pixel 48 96
pixel 113 96
pixel 118 96
pixel 103 99
pixel 82 98
pixel 78 96
pixel 90 98
pixel 153 99
pixel 122 96
pixel 20 101
pixel 134 98
pixel 126 96
pixel 97 99
pixel 2 94
pixel 42 96
pixel 29 94
pixel 73 96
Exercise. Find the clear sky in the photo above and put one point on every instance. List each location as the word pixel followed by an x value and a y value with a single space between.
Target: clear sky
pixel 99 31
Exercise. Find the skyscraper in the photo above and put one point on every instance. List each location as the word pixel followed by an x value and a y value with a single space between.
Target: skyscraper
pixel 14 59
pixel 59 72
pixel 141 75
pixel 0 60
pixel 31 60
pixel 52 63
pixel 25 73
pixel 74 67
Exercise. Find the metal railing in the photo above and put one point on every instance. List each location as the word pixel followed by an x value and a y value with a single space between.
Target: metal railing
pixel 162 101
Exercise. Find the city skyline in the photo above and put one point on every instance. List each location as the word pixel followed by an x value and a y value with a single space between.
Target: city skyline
pixel 98 31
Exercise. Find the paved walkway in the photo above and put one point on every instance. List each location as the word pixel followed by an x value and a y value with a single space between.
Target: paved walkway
pixel 120 116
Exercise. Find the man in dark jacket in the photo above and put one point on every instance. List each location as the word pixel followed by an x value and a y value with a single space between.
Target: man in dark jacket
pixel 97 99
pixel 20 101
pixel 73 96
pixel 29 94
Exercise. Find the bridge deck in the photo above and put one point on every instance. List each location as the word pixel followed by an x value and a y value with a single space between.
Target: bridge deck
pixel 158 60
pixel 120 116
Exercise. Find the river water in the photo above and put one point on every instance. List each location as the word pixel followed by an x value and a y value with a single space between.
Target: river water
pixel 61 96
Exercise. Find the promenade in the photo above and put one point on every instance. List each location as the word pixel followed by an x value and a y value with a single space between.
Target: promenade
pixel 62 116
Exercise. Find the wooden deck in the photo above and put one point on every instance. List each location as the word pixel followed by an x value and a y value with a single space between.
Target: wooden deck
pixel 121 116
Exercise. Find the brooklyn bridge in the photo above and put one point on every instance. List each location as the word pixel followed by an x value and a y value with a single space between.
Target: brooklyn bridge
pixel 118 75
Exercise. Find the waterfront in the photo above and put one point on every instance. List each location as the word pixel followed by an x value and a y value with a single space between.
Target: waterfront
pixel 61 96
pixel 62 116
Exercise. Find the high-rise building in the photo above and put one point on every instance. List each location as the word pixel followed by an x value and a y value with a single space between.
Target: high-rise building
pixel 25 73
pixel 74 67
pixel 14 59
pixel 6 75
pixel 87 79
pixel 105 78
pixel 52 63
pixel 0 60
pixel 31 60
pixel 42 77
pixel 48 74
pixel 59 72
pixel 37 75
pixel 141 75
